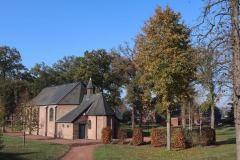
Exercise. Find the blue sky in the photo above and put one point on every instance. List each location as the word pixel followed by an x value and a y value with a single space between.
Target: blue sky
pixel 47 30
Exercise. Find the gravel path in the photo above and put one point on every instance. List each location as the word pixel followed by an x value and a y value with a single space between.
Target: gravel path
pixel 81 149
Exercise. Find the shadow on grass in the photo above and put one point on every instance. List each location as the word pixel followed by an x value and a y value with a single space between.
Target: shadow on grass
pixel 15 156
pixel 226 141
pixel 146 130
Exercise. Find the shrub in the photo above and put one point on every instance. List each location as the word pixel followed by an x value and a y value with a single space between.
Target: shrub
pixel 122 135
pixel 208 136
pixel 178 139
pixel 158 137
pixel 106 135
pixel 137 138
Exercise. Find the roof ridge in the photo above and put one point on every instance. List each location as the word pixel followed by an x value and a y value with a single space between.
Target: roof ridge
pixel 61 85
pixel 105 101
pixel 104 107
pixel 90 106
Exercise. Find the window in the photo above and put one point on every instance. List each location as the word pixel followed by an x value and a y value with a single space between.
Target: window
pixel 89 124
pixel 51 115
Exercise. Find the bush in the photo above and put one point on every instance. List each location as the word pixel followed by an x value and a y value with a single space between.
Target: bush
pixel 106 135
pixel 208 136
pixel 137 136
pixel 178 139
pixel 158 137
pixel 122 135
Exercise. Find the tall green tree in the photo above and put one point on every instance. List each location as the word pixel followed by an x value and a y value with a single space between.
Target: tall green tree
pixel 43 76
pixel 164 59
pixel 12 76
pixel 124 66
pixel 98 65
pixel 63 70
pixel 10 64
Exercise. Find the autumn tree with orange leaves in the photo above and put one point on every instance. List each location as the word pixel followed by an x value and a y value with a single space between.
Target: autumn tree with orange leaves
pixel 164 58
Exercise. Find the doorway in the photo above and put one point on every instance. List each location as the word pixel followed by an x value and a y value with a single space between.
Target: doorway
pixel 82 131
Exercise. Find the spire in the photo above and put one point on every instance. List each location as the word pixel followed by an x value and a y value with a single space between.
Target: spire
pixel 90 87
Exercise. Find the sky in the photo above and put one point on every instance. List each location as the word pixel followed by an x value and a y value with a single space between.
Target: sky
pixel 47 30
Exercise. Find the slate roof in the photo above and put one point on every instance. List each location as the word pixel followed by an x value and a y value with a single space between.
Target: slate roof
pixel 95 105
pixel 100 107
pixel 90 85
pixel 53 95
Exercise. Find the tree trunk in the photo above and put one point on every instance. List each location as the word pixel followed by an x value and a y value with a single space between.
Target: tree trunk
pixel 234 10
pixel 3 125
pixel 183 114
pixel 168 130
pixel 212 117
pixel 12 122
pixel 212 106
pixel 211 90
pixel 133 118
pixel 140 121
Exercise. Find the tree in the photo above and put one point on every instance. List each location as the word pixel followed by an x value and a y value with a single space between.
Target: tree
pixel 12 72
pixel 10 64
pixel 63 70
pixel 125 67
pixel 98 65
pixel 220 17
pixel 163 59
pixel 213 63
pixel 27 114
pixel 126 116
pixel 230 115
pixel 186 101
pixel 43 76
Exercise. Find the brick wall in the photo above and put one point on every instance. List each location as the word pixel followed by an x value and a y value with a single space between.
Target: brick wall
pixel 92 131
pixel 76 131
pixel 63 109
pixel 42 120
pixel 98 123
pixel 65 130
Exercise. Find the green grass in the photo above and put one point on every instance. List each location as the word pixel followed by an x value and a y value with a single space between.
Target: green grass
pixel 146 152
pixel 222 150
pixel 225 132
pixel 33 150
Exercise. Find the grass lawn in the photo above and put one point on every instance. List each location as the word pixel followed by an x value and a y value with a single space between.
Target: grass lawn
pixel 222 150
pixel 33 150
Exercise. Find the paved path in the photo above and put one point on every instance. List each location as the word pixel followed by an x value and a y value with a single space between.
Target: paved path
pixel 81 149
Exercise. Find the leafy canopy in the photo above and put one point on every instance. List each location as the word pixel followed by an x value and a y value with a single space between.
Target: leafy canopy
pixel 164 56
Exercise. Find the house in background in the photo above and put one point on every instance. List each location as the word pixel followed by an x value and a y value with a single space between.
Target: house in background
pixel 73 111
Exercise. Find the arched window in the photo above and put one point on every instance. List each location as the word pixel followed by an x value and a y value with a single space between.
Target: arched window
pixel 51 114
pixel 89 124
